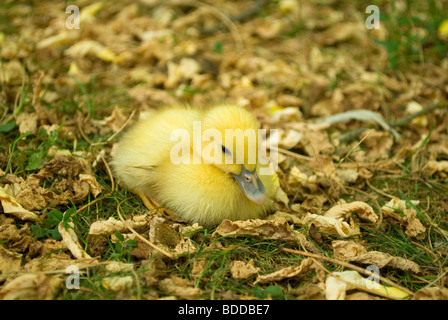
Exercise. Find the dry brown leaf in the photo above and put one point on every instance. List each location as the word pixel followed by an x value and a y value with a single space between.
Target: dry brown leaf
pixel 27 122
pixel 340 32
pixel 304 179
pixel 56 261
pixel 71 241
pixel 185 246
pixel 377 144
pixel 330 225
pixel 94 186
pixel 281 196
pixel 310 291
pixel 9 261
pixel 287 272
pixel 242 270
pixel 117 283
pixel 285 114
pixel 363 209
pixel 31 286
pixel 116 120
pixel 12 71
pixel 198 268
pixel 94 48
pixel 338 283
pixel 438 167
pixel 179 287
pixel 126 236
pixel 185 70
pixel 347 175
pixel 397 204
pixel 414 227
pixel 11 206
pixel 62 38
pixel 264 229
pixel 284 216
pixel 355 252
pixel 108 227
pixel 268 28
pixel 432 293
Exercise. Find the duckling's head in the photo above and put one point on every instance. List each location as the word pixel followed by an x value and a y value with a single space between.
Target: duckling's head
pixel 230 142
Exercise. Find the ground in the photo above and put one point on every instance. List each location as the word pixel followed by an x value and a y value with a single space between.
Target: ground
pixel 359 98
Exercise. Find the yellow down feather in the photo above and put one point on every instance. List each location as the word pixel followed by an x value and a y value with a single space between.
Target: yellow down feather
pixel 203 193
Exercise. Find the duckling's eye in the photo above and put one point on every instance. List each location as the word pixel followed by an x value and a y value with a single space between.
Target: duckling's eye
pixel 225 150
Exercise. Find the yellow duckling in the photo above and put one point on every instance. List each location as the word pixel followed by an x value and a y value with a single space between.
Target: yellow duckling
pixel 182 159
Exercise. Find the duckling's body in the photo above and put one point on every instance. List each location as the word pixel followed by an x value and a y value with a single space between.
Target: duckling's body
pixel 203 193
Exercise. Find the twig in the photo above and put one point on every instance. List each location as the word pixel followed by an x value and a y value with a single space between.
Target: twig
pixel 78 122
pixel 292 154
pixel 117 132
pixel 349 266
pixel 169 255
pixel 109 172
pixel 406 119
pixel 378 190
pixel 92 202
pixel 348 136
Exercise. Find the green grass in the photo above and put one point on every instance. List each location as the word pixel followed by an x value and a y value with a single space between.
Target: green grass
pixel 27 153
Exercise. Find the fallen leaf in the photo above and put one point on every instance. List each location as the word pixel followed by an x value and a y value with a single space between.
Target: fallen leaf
pixel 288 272
pixel 363 209
pixel 268 28
pixel 355 252
pixel 94 187
pixel 338 283
pixel 264 229
pixel 71 241
pixel 110 226
pixel 438 167
pixel 330 225
pixel 284 216
pixel 88 13
pixel 31 286
pixel 91 47
pixel 413 107
pixel 185 246
pixel 377 145
pixel 179 287
pixel 117 283
pixel 27 122
pixel 198 268
pixel 9 261
pixel 432 293
pixel 414 227
pixel 397 204
pixel 242 270
pixel 62 38
pixel 11 206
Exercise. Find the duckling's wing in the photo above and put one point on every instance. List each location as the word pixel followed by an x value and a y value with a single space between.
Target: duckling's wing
pixel 147 145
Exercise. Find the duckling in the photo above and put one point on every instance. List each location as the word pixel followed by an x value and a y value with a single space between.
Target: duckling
pixel 203 180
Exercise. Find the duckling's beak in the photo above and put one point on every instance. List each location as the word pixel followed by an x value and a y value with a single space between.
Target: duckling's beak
pixel 251 185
